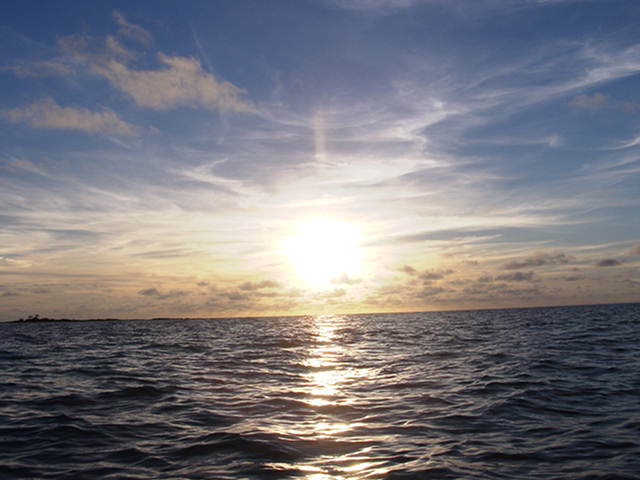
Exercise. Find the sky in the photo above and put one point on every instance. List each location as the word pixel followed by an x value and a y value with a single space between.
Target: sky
pixel 232 158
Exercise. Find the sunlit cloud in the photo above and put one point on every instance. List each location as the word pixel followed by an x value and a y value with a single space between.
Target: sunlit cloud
pixel 48 114
pixel 408 269
pixel 435 275
pixel 153 292
pixel 252 286
pixel 515 277
pixel 538 260
pixel 179 82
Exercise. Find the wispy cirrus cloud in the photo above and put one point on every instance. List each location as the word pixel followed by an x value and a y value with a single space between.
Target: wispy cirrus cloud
pixel 600 101
pixel 132 31
pixel 590 102
pixel 374 5
pixel 37 69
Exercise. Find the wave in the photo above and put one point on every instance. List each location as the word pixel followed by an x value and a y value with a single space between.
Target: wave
pixel 511 394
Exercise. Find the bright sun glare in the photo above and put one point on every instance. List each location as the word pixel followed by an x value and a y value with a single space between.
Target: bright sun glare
pixel 322 251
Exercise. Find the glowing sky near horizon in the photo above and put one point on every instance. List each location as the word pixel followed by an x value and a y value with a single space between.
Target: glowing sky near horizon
pixel 164 158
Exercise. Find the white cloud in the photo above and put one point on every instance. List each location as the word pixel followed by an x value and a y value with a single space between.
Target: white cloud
pixel 627 144
pixel 48 114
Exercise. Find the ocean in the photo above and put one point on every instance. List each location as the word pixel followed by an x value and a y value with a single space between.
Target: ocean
pixel 539 393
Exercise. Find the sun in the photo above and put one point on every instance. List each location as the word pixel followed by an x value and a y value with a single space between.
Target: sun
pixel 322 251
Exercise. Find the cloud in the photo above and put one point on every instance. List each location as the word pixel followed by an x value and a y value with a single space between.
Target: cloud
pixel 538 260
pixel 149 292
pixel 500 231
pixel 129 30
pixel 626 144
pixel 41 290
pixel 435 274
pixel 590 102
pixel 608 262
pixel 165 253
pixel 252 296
pixel 573 278
pixel 516 277
pixel 429 292
pixel 373 5
pixel 345 279
pixel 8 261
pixel 48 114
pixel 389 290
pixel 180 82
pixel 635 250
pixel 25 165
pixel 155 293
pixel 409 270
pixel 252 286
pixel 499 291
pixel 335 293
pixel 235 296
pixel 37 69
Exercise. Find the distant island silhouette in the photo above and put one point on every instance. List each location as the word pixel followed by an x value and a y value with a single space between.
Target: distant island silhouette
pixel 39 319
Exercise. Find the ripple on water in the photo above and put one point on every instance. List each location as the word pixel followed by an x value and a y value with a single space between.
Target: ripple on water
pixel 526 393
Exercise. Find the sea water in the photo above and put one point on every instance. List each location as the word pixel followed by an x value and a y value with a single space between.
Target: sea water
pixel 495 394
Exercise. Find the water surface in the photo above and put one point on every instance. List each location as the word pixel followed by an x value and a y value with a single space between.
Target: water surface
pixel 496 394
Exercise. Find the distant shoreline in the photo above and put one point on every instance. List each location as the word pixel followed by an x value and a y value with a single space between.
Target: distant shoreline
pixel 37 319
pixel 63 320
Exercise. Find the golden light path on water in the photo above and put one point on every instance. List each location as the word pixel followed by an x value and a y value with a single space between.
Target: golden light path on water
pixel 332 375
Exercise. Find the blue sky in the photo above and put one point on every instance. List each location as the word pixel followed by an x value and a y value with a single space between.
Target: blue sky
pixel 163 158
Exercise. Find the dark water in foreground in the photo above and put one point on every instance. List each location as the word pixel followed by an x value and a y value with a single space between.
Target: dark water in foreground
pixel 518 394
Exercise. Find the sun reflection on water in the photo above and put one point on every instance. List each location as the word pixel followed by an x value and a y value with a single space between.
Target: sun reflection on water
pixel 325 372
pixel 330 379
